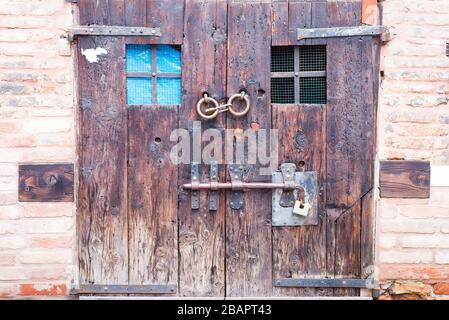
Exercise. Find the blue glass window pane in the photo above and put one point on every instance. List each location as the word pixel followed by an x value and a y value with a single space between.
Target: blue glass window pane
pixel 168 58
pixel 168 91
pixel 138 91
pixel 138 58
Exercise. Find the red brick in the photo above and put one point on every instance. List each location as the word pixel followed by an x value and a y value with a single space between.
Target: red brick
pixel 48 273
pixel 441 288
pixel 413 271
pixel 42 210
pixel 8 290
pixel 43 289
pixel 7 259
pixel 7 127
pixel 51 242
pixel 17 141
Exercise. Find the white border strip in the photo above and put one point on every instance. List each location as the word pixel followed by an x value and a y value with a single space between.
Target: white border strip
pixel 439 176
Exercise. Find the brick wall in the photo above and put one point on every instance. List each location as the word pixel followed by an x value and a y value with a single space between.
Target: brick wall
pixel 412 235
pixel 36 125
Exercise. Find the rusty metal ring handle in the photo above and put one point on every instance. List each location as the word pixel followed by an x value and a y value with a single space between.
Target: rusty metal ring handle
pixel 241 96
pixel 205 101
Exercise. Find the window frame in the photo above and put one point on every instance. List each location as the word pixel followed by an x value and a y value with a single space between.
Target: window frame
pixel 296 74
pixel 154 74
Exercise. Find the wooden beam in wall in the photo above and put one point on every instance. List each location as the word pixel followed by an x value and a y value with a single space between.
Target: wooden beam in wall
pixel 46 183
pixel 404 179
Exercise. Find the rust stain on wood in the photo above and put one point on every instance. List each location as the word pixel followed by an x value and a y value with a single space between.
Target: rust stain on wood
pixel 46 183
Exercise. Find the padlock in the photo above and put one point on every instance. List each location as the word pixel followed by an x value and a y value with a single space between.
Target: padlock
pixel 301 209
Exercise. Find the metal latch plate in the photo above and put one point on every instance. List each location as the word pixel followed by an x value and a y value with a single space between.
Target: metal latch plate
pixel 283 216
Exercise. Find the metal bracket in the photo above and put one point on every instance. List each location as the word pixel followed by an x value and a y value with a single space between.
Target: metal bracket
pixel 369 283
pixel 336 32
pixel 236 195
pixel 213 194
pixel 95 30
pixel 288 196
pixel 123 289
pixel 282 212
pixel 195 195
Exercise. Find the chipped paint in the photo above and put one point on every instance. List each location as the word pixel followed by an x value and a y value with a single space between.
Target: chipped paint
pixel 93 54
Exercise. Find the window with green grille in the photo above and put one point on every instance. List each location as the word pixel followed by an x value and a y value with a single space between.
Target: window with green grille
pixel 298 74
pixel 153 74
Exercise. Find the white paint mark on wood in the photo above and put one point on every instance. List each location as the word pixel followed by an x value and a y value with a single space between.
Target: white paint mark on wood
pixel 92 55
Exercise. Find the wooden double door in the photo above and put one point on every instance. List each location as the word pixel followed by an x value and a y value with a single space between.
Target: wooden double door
pixel 136 228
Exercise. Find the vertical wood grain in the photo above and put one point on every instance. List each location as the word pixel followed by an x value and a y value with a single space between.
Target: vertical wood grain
pixel 300 252
pixel 168 16
pixel 136 13
pixel 201 232
pixel 116 12
pixel 102 209
pixel 248 231
pixel 350 152
pixel 152 200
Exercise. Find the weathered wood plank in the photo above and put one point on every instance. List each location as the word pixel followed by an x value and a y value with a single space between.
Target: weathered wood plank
pixel 202 232
pixel 344 13
pixel 136 13
pixel 350 156
pixel 46 182
pixel 102 209
pixel 152 196
pixel 347 233
pixel 404 179
pixel 348 121
pixel 168 16
pixel 280 33
pixel 367 235
pixel 248 231
pixel 86 11
pixel 299 252
pixel 299 16
pixel 94 12
pixel 116 12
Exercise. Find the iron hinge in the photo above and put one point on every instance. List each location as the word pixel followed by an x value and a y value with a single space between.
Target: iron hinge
pixel 336 32
pixel 122 289
pixel 95 30
pixel 369 283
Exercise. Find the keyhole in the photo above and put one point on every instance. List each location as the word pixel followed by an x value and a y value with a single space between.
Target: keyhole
pixel 157 140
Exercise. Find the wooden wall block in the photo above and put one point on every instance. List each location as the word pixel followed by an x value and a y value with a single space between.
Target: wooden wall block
pixel 370 12
pixel 404 179
pixel 46 183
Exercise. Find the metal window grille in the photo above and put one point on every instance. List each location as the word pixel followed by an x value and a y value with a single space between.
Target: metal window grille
pixel 298 75
pixel 153 74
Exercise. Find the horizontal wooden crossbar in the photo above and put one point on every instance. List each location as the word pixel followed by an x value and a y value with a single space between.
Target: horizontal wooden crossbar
pixel 335 32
